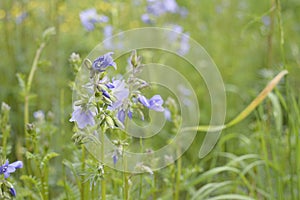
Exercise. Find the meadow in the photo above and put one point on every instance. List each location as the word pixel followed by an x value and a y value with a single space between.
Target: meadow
pixel 78 106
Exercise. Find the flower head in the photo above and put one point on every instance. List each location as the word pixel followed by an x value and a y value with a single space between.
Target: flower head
pixel 90 17
pixel 102 62
pixel 155 103
pixel 7 168
pixel 120 92
pixel 83 117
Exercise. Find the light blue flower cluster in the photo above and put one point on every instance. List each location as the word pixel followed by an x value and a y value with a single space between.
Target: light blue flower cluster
pixel 110 101
pixel 180 37
pixel 90 17
pixel 156 8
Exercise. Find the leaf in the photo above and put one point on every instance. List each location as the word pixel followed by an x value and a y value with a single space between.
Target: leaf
pixel 208 189
pixel 277 112
pixel 211 173
pixel 231 197
pixel 48 157
pixel 21 80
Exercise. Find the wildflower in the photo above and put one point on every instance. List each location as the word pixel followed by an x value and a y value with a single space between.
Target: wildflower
pixel 160 7
pixel 7 168
pixel 39 115
pixel 184 44
pixel 167 114
pixel 13 191
pixel 21 17
pixel 121 115
pixel 107 32
pixel 146 19
pixel 90 17
pixel 176 32
pixel 102 62
pixel 120 92
pixel 155 103
pixel 83 117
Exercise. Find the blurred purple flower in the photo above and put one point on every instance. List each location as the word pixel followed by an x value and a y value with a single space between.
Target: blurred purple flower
pixel 102 62
pixel 160 7
pixel 7 168
pixel 167 114
pixel 13 191
pixel 146 19
pixel 115 157
pixel 39 115
pixel 90 17
pixel 184 44
pixel 155 103
pixel 82 117
pixel 121 115
pixel 266 20
pixel 108 31
pixel 21 17
pixel 175 33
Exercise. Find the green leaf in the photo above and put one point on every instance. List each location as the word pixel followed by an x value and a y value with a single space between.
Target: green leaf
pixel 21 80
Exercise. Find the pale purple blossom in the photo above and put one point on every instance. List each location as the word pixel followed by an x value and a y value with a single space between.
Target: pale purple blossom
pixel 108 32
pixel 160 7
pixel 184 44
pixel 120 92
pixel 83 117
pixel 13 191
pixel 90 17
pixel 121 115
pixel 102 62
pixel 167 114
pixel 155 103
pixel 146 19
pixel 39 115
pixel 7 168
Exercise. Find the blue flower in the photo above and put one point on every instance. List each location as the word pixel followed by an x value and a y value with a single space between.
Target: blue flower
pixel 160 7
pixel 82 117
pixel 7 168
pixel 146 19
pixel 155 103
pixel 120 92
pixel 107 32
pixel 90 17
pixel 184 44
pixel 121 115
pixel 167 114
pixel 102 62
pixel 13 191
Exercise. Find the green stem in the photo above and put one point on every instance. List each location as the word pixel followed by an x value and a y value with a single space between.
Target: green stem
pixel 28 87
pixel 141 175
pixel 125 178
pixel 103 182
pixel 178 175
pixel 82 188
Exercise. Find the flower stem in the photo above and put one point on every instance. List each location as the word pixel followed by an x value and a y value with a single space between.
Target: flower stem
pixel 103 183
pixel 82 188
pixel 178 175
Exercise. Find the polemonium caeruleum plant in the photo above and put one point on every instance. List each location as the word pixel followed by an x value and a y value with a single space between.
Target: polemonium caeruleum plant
pixel 104 103
pixel 115 98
